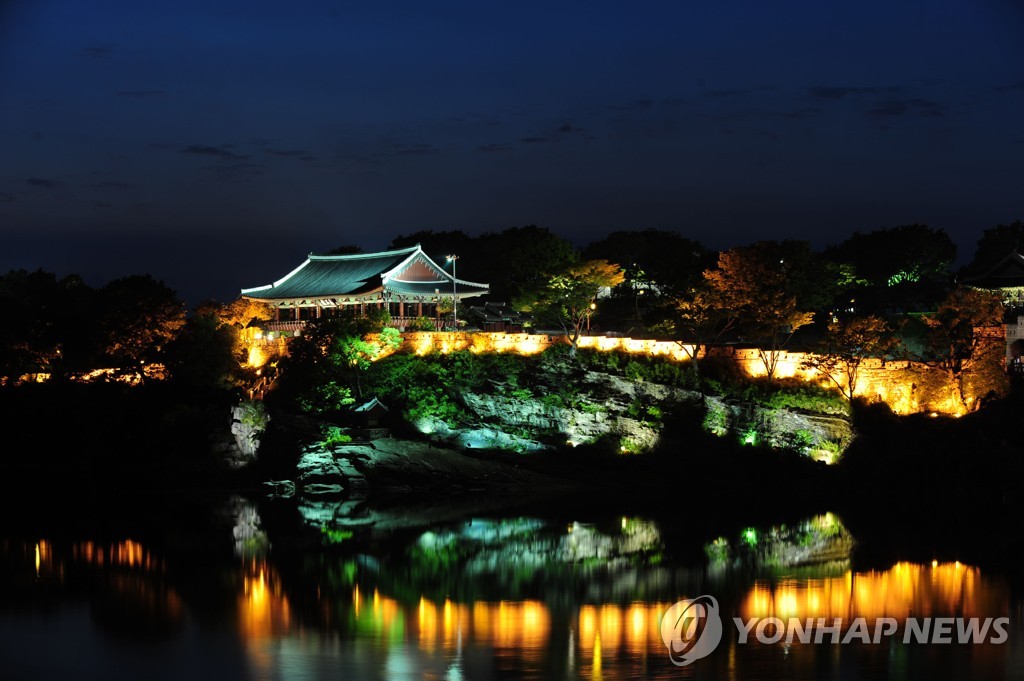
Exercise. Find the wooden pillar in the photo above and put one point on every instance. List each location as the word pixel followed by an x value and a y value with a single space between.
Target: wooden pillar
pixel 277 313
pixel 401 308
pixel 419 308
pixel 362 308
pixel 318 312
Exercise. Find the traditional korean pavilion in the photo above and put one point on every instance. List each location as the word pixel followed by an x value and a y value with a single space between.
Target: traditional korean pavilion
pixel 406 282
pixel 1006 277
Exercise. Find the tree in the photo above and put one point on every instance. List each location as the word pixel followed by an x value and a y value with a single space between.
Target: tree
pixel 203 355
pixel 525 255
pixel 699 320
pixel 235 317
pixel 347 249
pixel 138 317
pixel 569 297
pixel 324 365
pixel 958 342
pixel 512 261
pixel 752 284
pixel 659 267
pixel 902 268
pixel 31 328
pixel 995 244
pixel 847 344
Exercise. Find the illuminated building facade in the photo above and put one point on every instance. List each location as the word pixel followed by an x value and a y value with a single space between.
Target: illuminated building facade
pixel 406 282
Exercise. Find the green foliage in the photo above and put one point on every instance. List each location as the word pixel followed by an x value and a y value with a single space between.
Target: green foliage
pixel 324 369
pixel 718 552
pixel 716 418
pixel 420 324
pixel 568 298
pixel 521 394
pixel 790 394
pixel 807 397
pixel 333 536
pixel 254 415
pixel 333 435
pixel 432 402
pixel 328 396
pixel 803 438
pixel 631 445
pixel 638 368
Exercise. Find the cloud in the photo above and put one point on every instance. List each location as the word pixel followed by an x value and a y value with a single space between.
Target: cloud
pixel 492 148
pixel 924 108
pixel 533 140
pixel 567 128
pixel 41 182
pixel 140 93
pixel 231 171
pixel 833 92
pixel 5 197
pixel 206 150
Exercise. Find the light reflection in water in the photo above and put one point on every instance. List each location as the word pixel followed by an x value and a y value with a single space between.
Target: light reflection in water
pixel 904 590
pixel 612 640
pixel 263 609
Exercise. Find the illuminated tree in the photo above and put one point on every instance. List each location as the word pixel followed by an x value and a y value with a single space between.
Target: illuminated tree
pixel 700 318
pixel 965 335
pixel 899 269
pixel 664 262
pixel 139 316
pixel 847 344
pixel 569 297
pixel 235 317
pixel 324 365
pixel 751 284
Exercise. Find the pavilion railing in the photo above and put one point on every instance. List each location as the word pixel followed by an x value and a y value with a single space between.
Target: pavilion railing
pixel 397 322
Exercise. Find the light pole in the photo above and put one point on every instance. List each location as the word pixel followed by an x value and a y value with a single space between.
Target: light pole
pixel 455 298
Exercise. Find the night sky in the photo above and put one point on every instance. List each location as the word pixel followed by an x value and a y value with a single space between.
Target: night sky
pixel 215 147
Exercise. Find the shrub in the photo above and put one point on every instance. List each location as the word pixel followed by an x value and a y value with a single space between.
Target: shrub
pixel 254 415
pixel 332 435
pixel 420 324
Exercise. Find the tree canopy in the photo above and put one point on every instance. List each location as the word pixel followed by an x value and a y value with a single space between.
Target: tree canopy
pixel 568 297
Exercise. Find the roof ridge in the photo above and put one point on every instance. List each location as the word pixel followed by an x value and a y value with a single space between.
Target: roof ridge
pixel 361 256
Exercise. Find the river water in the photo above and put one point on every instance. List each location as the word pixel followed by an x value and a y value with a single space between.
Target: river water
pixel 238 588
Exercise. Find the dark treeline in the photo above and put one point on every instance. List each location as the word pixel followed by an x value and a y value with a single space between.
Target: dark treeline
pixel 668 286
pixel 901 269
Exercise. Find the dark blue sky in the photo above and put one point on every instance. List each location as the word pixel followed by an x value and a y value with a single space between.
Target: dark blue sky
pixel 215 147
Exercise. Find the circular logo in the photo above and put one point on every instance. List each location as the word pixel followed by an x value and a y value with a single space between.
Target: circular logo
pixel 691 629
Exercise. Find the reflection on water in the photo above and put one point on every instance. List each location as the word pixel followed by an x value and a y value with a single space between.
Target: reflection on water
pixel 522 598
pixel 905 590
pixel 263 610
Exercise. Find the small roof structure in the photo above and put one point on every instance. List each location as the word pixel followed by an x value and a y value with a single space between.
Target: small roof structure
pixel 332 280
pixel 1007 273
pixel 374 403
pixel 494 313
